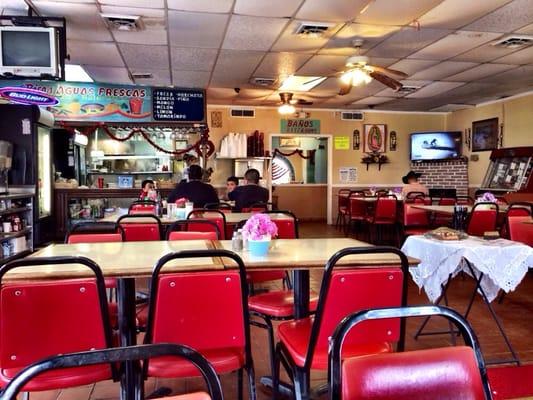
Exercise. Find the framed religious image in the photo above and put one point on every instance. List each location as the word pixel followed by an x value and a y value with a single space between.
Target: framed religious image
pixel 374 138
pixel 485 134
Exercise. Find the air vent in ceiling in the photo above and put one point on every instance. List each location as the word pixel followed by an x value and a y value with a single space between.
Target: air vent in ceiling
pixel 242 113
pixel 352 116
pixel 266 82
pixel 142 75
pixel 514 41
pixel 313 30
pixel 130 23
pixel 407 89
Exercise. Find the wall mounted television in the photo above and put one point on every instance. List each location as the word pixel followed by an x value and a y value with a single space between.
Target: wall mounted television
pixel 434 146
pixel 28 51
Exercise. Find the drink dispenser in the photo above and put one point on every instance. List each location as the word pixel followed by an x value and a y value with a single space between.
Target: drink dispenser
pixel 6 159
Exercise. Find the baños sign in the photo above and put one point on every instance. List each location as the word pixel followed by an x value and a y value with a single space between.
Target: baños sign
pixel 300 126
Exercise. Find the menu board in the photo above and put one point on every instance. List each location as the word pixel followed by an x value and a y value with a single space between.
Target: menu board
pixel 178 105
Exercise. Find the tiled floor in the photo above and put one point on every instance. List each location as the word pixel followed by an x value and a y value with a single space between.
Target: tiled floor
pixel 516 313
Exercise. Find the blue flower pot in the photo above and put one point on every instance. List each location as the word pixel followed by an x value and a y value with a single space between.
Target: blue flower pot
pixel 258 248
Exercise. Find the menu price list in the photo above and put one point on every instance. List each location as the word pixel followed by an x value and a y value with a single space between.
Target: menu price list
pixel 178 105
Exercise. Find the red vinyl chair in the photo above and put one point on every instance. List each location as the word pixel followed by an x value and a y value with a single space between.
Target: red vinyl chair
pixel 140 227
pixel 483 218
pixel 216 324
pixel 216 216
pixel 258 207
pixel 142 207
pixel 181 230
pixel 418 197
pixel 385 214
pixel 520 230
pixel 439 373
pixel 447 201
pixel 221 206
pixel 342 206
pixel 415 221
pixel 517 209
pixel 357 211
pixel 303 344
pixel 42 318
pixel 121 355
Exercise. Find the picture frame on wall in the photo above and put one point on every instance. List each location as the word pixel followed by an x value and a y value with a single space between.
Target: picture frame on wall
pixel 485 134
pixel 375 138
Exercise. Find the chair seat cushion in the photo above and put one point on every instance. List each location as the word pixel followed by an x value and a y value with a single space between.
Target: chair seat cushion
pixel 222 360
pixel 415 231
pixel 190 396
pixel 265 276
pixel 380 221
pixel 278 303
pixel 443 373
pixel 295 337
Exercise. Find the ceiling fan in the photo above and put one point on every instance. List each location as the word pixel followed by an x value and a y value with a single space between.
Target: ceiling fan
pixel 286 106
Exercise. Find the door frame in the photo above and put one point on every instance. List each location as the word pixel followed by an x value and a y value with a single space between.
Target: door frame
pixel 329 190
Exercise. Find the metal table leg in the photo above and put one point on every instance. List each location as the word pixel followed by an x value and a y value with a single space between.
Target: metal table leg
pixel 131 377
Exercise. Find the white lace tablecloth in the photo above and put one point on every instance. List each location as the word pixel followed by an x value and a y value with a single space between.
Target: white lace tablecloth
pixel 503 262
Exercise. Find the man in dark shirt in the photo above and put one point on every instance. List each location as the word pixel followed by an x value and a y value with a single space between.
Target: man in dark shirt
pixel 195 190
pixel 250 193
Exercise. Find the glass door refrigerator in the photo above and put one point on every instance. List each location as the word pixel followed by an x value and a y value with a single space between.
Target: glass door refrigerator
pixel 28 128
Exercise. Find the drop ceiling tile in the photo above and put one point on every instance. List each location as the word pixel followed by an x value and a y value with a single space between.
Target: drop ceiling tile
pixel 410 66
pixel 367 90
pixel 196 29
pixel 434 89
pixel 280 64
pixel 108 74
pixel 513 15
pixel 193 59
pixel 454 44
pixel 446 15
pixel 526 30
pixel 13 7
pixel 190 79
pixel 289 41
pixel 252 33
pixel 215 6
pixel 154 32
pixel 322 65
pixel 479 72
pixel 341 43
pixel 519 75
pixel 229 73
pixel 147 37
pixel 406 41
pixel 468 91
pixel 520 57
pixel 271 8
pixel 388 92
pixel 141 56
pixel 327 86
pixel 484 53
pixel 160 77
pixel 371 101
pixel 331 10
pixel 402 12
pixel 130 10
pixel 442 70
pixel 220 93
pixel 83 20
pixel 135 3
pixel 104 54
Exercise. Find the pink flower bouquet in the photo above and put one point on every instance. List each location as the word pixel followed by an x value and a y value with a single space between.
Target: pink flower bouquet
pixel 260 227
pixel 487 197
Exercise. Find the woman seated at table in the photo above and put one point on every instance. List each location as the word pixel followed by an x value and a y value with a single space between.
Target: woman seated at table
pixel 200 193
pixel 411 184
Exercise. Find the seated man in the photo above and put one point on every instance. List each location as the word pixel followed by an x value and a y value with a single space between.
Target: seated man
pixel 249 193
pixel 195 190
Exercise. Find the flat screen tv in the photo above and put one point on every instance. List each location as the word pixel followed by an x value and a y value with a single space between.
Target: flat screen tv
pixel 432 146
pixel 28 51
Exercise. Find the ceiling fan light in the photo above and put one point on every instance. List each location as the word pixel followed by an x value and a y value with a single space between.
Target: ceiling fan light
pixel 286 109
pixel 346 78
pixel 360 77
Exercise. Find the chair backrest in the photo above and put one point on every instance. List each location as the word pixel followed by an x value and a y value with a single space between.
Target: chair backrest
pixel 44 318
pixel 200 229
pixel 414 195
pixel 483 218
pixel 219 317
pixel 386 207
pixel 447 201
pixel 342 197
pixel 215 216
pixel 287 226
pixel 95 232
pixel 120 355
pixel 224 207
pixel 140 227
pixel 358 206
pixel 258 207
pixel 414 217
pixel 142 207
pixel 449 373
pixel 519 209
pixel 521 229
pixel 348 290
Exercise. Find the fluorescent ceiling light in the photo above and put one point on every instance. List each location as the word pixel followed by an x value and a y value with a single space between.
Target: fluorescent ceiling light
pixel 76 73
pixel 296 83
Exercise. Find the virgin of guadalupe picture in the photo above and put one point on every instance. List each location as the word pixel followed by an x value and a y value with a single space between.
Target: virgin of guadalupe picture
pixel 374 138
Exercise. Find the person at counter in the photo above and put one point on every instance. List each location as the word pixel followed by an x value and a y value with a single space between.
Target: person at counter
pixel 411 184
pixel 147 187
pixel 249 193
pixel 195 190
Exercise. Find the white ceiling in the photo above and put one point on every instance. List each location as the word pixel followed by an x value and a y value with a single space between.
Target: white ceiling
pixel 445 46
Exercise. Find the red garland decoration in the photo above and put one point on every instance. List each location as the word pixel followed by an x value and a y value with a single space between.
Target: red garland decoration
pixel 300 152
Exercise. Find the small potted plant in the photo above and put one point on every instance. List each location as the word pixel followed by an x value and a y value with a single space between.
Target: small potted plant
pixel 259 231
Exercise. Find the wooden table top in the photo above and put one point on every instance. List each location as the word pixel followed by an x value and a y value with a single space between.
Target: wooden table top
pixel 449 210
pixel 231 218
pixel 124 259
pixel 309 254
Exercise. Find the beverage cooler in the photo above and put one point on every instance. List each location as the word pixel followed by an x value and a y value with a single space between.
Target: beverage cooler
pixel 69 155
pixel 28 129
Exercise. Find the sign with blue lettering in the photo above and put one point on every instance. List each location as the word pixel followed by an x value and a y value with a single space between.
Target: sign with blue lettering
pixel 178 105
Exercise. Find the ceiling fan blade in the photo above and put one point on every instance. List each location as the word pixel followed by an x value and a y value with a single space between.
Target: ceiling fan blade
pixel 345 88
pixel 389 71
pixel 386 80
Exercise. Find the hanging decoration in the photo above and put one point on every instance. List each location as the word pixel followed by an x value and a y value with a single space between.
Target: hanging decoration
pixel 392 141
pixel 300 152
